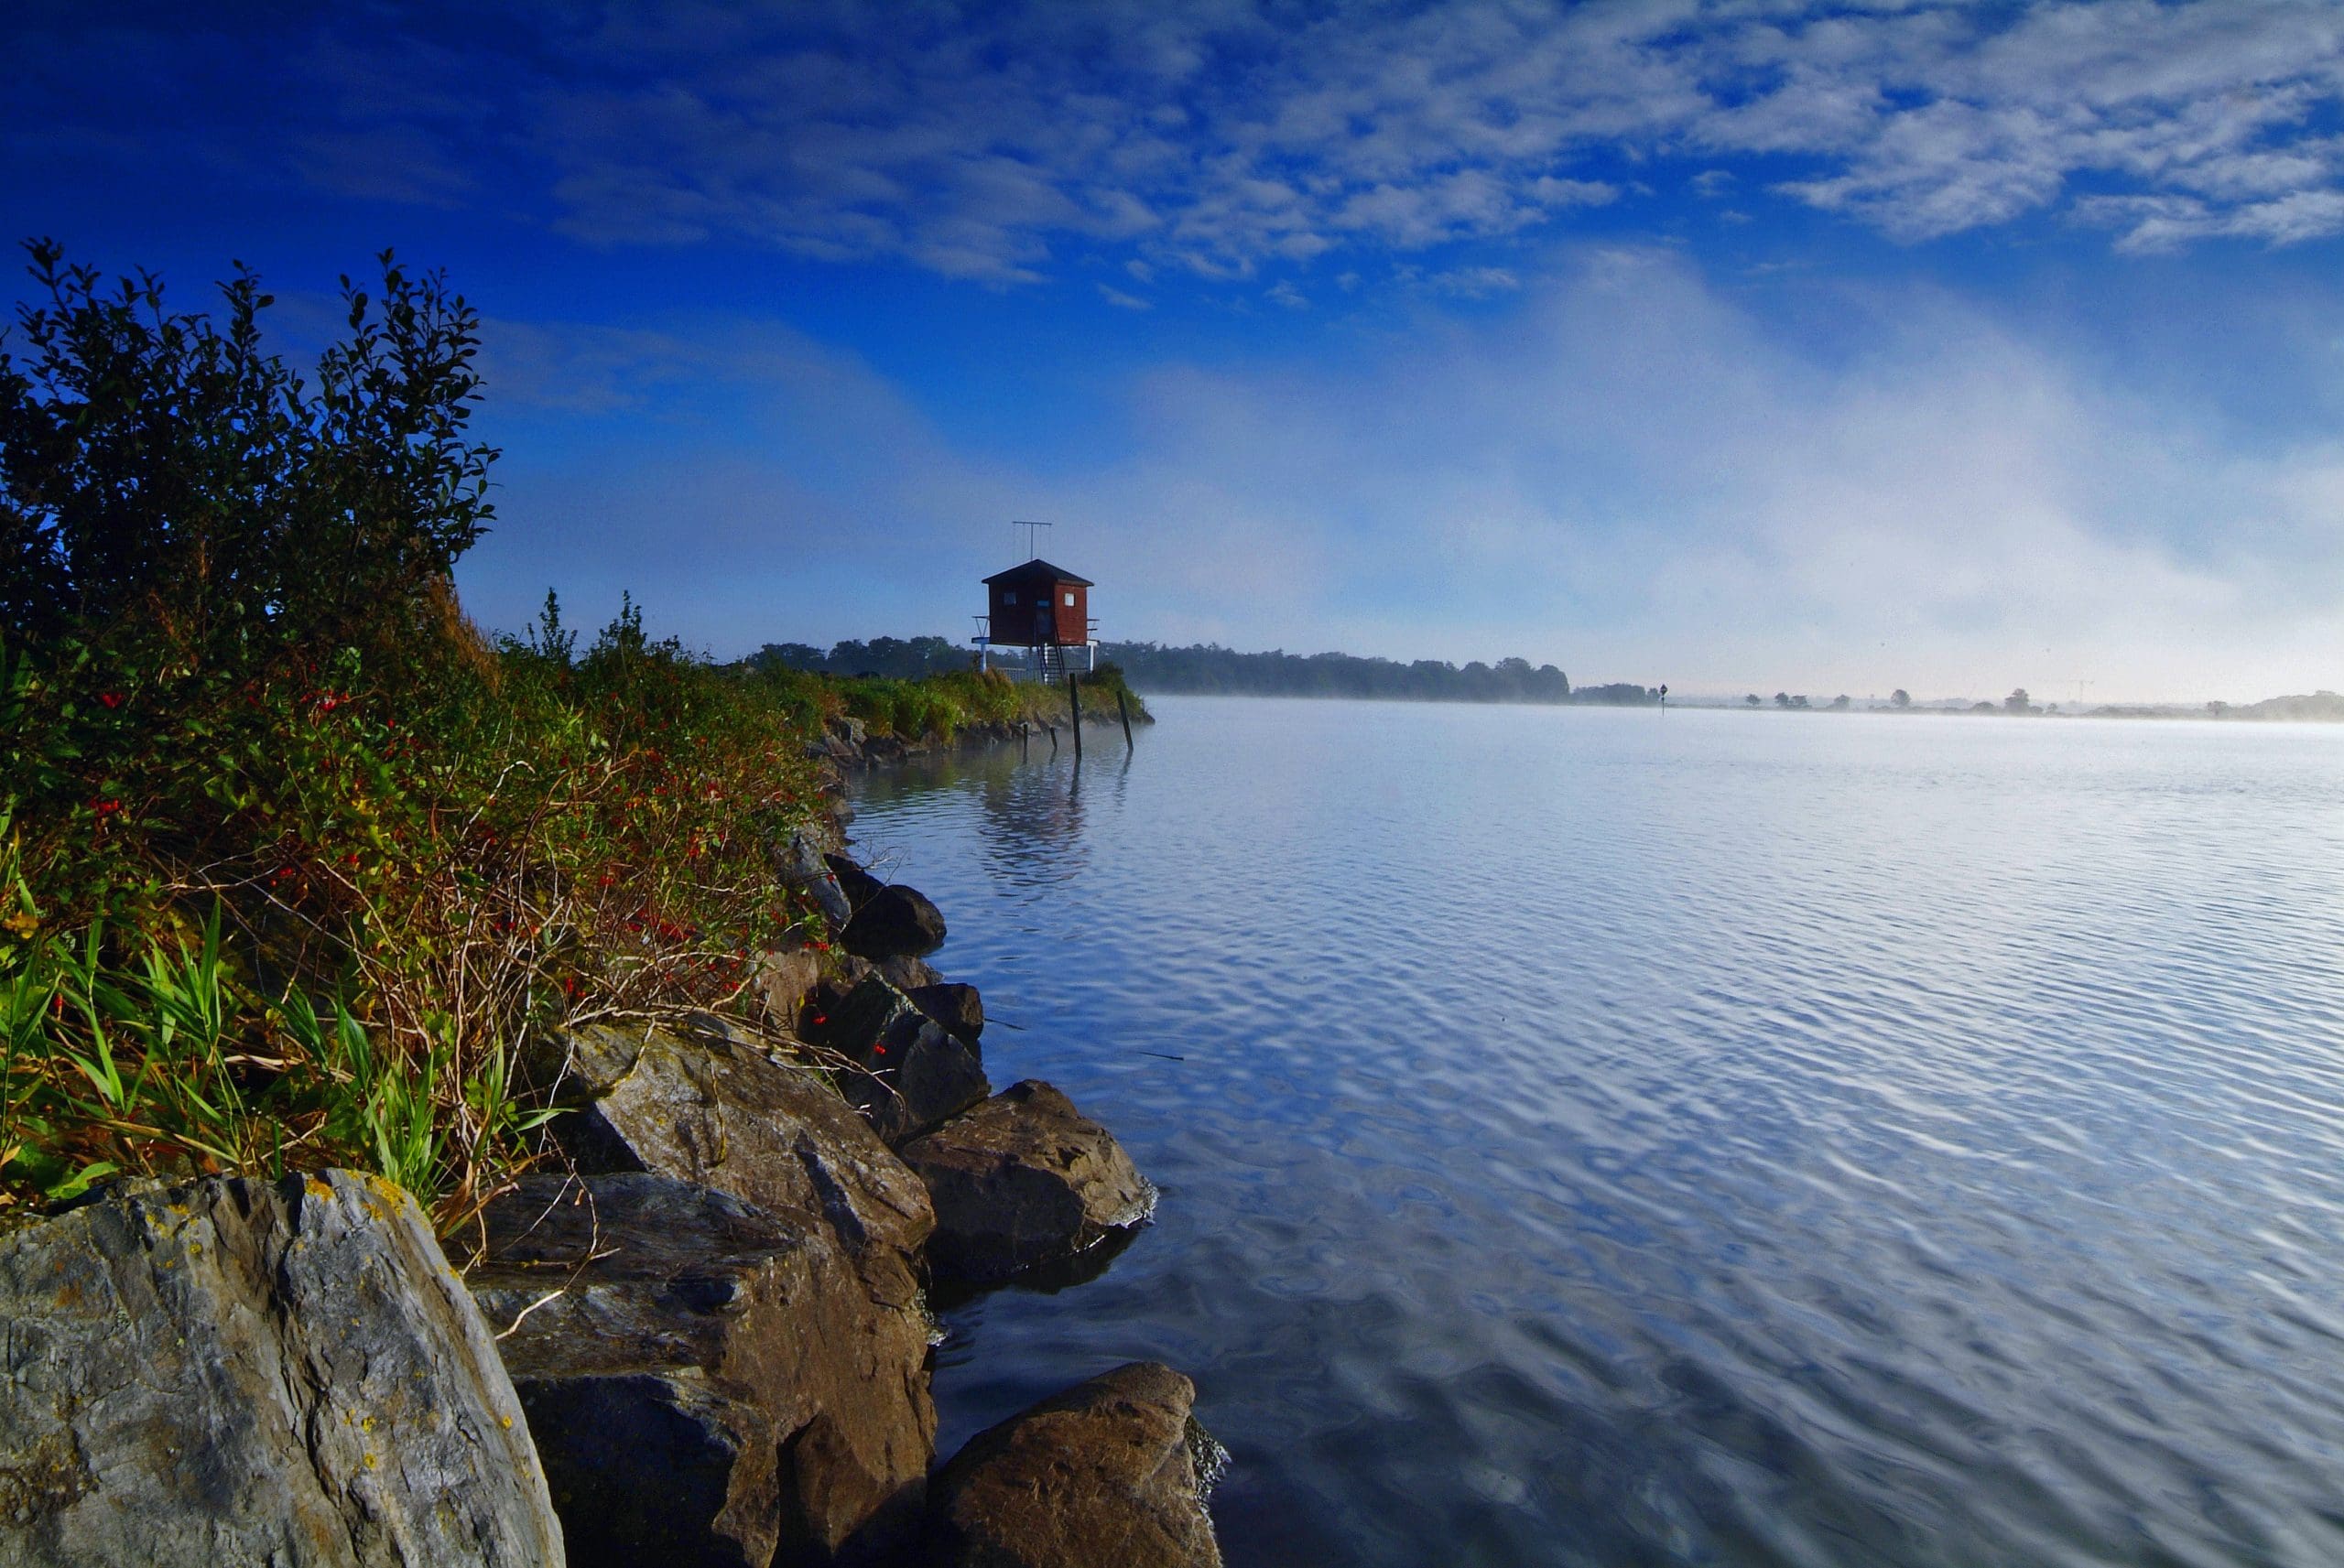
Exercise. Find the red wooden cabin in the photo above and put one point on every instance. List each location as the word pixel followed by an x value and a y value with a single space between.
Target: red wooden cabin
pixel 1037 605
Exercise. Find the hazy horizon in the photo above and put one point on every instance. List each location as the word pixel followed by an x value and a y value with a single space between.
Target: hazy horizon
pixel 1984 347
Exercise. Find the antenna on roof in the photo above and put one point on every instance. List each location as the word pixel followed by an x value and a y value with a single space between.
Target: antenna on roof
pixel 1031 537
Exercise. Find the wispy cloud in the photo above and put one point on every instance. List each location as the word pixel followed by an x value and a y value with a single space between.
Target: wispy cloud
pixel 985 141
pixel 1625 472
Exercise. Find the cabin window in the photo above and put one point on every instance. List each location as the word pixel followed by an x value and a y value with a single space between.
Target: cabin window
pixel 1069 601
pixel 1009 599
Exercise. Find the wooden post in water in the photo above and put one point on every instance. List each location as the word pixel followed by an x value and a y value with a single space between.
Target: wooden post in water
pixel 1074 705
pixel 1123 710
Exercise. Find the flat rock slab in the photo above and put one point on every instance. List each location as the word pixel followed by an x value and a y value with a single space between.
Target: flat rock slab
pixel 236 1371
pixel 705 1103
pixel 1112 1474
pixel 904 1071
pixel 1023 1179
pixel 709 1382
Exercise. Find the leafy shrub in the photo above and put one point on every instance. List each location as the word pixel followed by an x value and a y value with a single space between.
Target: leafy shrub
pixel 163 477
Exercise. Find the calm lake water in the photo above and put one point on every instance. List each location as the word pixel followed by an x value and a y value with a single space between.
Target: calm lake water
pixel 1603 1137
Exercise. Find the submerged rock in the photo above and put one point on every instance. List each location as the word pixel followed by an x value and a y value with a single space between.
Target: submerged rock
pixel 265 1372
pixel 709 1382
pixel 1021 1180
pixel 904 1073
pixel 1111 1474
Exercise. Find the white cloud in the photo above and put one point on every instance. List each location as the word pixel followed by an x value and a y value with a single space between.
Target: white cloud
pixel 1408 127
pixel 1473 282
pixel 986 140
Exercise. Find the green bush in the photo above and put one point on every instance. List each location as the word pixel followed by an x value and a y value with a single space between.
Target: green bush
pixel 165 478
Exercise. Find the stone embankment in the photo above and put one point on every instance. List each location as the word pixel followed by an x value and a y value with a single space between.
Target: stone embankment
pixel 704 1342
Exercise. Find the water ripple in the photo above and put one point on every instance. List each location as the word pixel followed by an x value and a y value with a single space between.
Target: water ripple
pixel 1603 1137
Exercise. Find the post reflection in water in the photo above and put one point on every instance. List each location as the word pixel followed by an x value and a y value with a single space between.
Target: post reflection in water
pixel 1029 811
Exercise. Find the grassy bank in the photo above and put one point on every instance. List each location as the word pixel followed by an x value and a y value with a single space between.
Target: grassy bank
pixel 943 707
pixel 309 915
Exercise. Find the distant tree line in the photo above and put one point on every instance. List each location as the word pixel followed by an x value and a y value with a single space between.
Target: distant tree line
pixel 1208 669
pixel 898 658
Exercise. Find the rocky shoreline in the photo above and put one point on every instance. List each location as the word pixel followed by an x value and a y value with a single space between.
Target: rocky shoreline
pixel 706 1341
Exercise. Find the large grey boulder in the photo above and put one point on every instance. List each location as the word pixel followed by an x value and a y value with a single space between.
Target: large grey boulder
pixel 902 1069
pixel 1114 1472
pixel 709 1382
pixel 1023 1179
pixel 238 1371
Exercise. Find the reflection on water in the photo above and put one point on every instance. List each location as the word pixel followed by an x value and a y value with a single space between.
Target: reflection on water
pixel 1027 813
pixel 1604 1138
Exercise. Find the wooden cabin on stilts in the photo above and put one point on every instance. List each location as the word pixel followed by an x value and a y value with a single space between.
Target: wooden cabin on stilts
pixel 1043 609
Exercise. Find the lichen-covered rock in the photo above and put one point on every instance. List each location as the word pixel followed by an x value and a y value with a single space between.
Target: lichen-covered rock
pixel 1023 1179
pixel 708 1380
pixel 903 1072
pixel 236 1371
pixel 895 920
pixel 1111 1474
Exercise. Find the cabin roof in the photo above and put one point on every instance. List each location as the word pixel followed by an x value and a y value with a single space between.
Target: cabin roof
pixel 1038 570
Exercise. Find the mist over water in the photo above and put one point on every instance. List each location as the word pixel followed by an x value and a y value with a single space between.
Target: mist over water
pixel 1604 1137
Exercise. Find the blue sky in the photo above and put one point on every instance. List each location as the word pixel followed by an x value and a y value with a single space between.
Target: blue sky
pixel 1742 345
